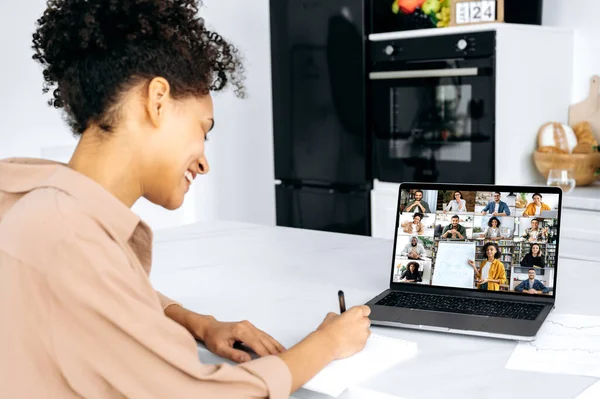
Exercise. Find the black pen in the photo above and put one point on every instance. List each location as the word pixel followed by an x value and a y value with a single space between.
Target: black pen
pixel 342 301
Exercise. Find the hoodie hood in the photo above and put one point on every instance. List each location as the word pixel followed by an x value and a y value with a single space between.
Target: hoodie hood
pixel 19 176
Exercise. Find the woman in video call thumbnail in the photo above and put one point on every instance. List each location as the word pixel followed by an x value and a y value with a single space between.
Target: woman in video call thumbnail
pixel 411 274
pixel 493 230
pixel 534 257
pixel 458 204
pixel 415 226
pixel 491 272
pixel 536 207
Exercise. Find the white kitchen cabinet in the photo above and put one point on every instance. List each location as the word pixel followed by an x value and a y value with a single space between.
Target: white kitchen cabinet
pixel 384 202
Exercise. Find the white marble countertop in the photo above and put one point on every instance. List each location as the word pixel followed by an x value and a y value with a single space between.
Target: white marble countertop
pixel 583 198
pixel 285 281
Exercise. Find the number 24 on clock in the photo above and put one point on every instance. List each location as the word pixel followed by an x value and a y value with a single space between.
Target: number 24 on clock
pixel 468 12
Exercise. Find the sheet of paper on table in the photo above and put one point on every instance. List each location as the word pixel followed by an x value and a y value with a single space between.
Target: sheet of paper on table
pixel 566 344
pixel 379 354
pixel 364 393
pixel 592 392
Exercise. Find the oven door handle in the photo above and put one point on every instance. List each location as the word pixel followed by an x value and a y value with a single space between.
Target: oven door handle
pixel 424 73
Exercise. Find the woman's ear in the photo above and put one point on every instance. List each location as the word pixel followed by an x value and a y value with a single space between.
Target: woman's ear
pixel 156 99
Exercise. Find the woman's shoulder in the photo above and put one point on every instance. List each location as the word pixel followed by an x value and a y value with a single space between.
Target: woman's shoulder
pixel 43 220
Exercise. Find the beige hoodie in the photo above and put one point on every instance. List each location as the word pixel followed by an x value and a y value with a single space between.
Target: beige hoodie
pixel 78 315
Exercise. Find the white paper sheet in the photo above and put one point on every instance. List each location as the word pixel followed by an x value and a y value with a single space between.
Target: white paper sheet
pixel 379 354
pixel 364 393
pixel 592 392
pixel 566 344
pixel 452 267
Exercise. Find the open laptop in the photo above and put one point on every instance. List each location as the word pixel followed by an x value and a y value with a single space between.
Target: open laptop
pixel 437 279
pixel 549 214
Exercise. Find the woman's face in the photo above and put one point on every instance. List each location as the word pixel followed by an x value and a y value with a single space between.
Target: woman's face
pixel 457 196
pixel 490 251
pixel 173 151
pixel 416 220
pixel 494 223
pixel 537 199
pixel 412 268
pixel 535 249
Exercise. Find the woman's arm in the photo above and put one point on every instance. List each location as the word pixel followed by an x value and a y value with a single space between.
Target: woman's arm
pixel 501 275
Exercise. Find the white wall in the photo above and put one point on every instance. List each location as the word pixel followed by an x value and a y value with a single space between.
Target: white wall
pixel 580 15
pixel 240 184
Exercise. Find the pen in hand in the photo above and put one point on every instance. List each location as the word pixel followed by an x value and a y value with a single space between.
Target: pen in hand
pixel 342 301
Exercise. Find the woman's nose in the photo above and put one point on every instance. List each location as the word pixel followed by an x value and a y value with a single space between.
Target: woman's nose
pixel 203 165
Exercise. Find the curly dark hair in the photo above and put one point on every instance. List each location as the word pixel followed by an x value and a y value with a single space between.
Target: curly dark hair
pixel 94 50
pixel 492 219
pixel 416 264
pixel 491 244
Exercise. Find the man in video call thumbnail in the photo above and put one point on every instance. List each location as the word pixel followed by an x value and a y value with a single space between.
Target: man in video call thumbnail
pixel 454 230
pixel 414 249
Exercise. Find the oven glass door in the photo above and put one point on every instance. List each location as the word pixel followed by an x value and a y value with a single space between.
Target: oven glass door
pixel 434 123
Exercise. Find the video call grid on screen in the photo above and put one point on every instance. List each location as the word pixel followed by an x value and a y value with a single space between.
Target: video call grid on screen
pixel 444 238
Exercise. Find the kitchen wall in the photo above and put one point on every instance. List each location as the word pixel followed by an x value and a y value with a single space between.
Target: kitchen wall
pixel 240 184
pixel 582 16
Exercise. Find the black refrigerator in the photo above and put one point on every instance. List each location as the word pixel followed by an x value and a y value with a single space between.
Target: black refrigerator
pixel 321 148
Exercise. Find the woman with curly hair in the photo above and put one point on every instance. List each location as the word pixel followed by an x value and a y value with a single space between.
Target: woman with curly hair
pixel 491 273
pixel 79 315
pixel 493 230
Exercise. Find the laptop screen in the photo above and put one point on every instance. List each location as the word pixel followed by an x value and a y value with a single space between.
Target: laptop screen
pixel 480 240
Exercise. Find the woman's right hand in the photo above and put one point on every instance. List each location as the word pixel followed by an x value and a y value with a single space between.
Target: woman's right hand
pixel 347 332
pixel 471 262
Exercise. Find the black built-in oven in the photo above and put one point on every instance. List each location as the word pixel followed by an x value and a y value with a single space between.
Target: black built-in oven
pixel 431 108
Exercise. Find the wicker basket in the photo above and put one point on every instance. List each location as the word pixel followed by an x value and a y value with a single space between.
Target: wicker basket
pixel 584 166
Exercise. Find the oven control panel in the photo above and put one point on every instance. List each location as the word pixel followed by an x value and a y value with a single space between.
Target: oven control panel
pixel 478 44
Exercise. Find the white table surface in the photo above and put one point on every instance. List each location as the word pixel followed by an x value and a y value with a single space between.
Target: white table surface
pixel 285 281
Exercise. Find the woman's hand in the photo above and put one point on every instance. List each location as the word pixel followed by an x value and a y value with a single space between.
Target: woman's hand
pixel 219 338
pixel 347 332
pixel 471 262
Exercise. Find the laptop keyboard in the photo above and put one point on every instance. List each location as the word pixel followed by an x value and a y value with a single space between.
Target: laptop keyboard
pixel 452 304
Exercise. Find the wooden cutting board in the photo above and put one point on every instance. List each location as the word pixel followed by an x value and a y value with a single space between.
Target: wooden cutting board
pixel 588 110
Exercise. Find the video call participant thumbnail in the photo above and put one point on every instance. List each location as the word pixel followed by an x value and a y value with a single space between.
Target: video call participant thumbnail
pixel 493 230
pixel 491 273
pixel 458 204
pixel 418 204
pixel 534 257
pixel 411 274
pixel 536 207
pixel 532 285
pixel 454 230
pixel 414 249
pixel 535 233
pixel 415 226
pixel 496 207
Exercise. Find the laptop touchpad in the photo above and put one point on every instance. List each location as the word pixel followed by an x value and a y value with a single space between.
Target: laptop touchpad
pixel 440 319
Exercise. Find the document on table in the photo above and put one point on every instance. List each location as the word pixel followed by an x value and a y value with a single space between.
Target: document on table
pixel 379 354
pixel 363 393
pixel 565 344
pixel 592 392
